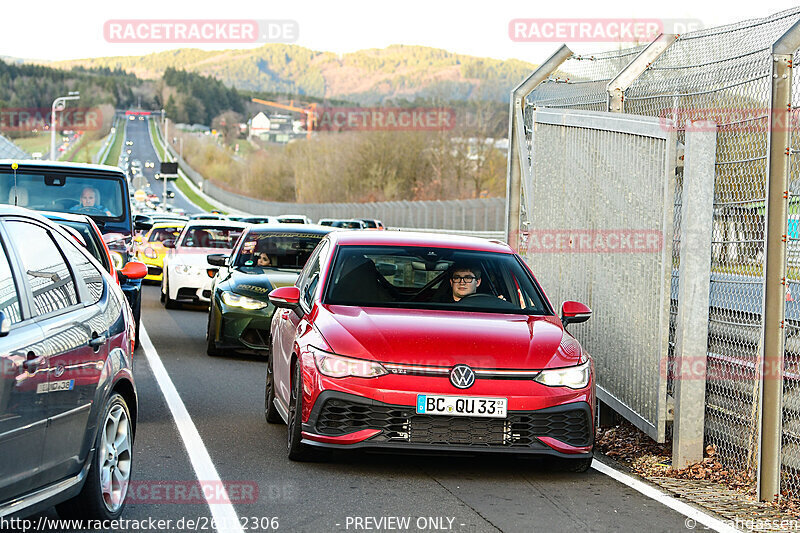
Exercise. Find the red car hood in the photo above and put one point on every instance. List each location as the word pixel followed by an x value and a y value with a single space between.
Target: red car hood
pixel 442 338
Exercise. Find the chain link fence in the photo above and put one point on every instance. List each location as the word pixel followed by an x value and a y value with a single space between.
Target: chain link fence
pixel 721 74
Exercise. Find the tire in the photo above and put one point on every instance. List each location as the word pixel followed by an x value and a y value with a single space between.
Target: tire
pixel 211 346
pixel 108 462
pixel 575 465
pixel 163 290
pixel 297 451
pixel 271 414
pixel 169 303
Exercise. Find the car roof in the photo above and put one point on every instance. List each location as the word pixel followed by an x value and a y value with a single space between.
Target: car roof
pixel 59 165
pixel 217 223
pixel 410 238
pixel 169 224
pixel 300 228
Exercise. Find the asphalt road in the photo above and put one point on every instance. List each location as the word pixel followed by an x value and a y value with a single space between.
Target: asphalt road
pixel 224 397
pixel 138 131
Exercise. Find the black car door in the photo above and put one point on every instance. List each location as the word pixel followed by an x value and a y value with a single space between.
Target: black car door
pixel 23 410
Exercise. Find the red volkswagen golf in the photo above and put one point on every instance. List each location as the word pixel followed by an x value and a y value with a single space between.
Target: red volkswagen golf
pixel 427 342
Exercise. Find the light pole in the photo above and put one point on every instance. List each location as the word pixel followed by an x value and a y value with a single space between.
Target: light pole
pixel 58 105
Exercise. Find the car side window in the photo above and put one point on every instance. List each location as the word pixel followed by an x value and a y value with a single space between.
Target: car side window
pixel 48 275
pixel 310 277
pixel 86 274
pixel 9 298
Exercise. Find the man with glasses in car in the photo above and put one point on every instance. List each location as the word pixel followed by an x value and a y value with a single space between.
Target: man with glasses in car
pixel 464 280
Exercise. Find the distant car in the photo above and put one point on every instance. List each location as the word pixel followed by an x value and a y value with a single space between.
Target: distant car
pixel 150 248
pixel 326 221
pixel 294 219
pixel 67 385
pixel 128 143
pixel 419 342
pixel 372 223
pixel 187 274
pixel 149 164
pixel 208 216
pixel 259 220
pixel 141 117
pixel 348 224
pixel 240 311
pixel 131 117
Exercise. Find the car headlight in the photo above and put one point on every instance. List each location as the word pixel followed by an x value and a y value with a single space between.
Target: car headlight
pixel 574 377
pixel 337 366
pixel 149 252
pixel 117 259
pixel 187 269
pixel 237 300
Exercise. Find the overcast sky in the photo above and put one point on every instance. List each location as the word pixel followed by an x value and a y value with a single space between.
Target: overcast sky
pixel 65 30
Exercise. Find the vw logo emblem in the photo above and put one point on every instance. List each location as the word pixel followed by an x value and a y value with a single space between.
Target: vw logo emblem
pixel 59 371
pixel 462 376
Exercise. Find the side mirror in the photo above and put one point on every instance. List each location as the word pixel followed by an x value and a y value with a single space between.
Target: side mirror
pixel 219 260
pixel 574 313
pixel 133 270
pixel 5 324
pixel 169 243
pixel 142 222
pixel 286 298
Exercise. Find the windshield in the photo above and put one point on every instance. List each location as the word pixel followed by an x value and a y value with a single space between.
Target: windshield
pixel 285 249
pixel 210 237
pixel 162 234
pixel 433 278
pixel 64 193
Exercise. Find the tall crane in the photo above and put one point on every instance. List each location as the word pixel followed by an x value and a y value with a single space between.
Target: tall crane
pixel 309 111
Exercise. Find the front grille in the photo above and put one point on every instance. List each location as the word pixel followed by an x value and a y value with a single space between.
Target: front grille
pixel 402 424
pixel 186 293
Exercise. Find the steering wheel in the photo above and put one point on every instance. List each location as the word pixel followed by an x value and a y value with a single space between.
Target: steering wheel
pixel 89 210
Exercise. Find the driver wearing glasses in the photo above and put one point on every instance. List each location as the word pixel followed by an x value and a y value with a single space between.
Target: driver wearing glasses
pixel 464 281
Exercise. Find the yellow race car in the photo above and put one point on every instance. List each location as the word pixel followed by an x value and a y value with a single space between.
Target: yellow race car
pixel 151 251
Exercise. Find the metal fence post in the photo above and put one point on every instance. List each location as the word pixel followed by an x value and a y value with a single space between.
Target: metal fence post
pixel 694 282
pixel 516 139
pixel 775 268
pixel 616 87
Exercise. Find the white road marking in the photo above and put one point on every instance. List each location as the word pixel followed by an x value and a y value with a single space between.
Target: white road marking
pixel 693 515
pixel 224 514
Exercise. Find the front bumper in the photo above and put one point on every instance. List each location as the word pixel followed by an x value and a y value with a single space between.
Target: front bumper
pixel 186 287
pixel 242 329
pixel 154 267
pixel 342 420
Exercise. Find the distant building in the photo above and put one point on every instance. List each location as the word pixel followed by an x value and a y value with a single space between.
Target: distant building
pixel 274 128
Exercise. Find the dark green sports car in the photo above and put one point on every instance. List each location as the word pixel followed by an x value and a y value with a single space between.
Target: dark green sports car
pixel 265 257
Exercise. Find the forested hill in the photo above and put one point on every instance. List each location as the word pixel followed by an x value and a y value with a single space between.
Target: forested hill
pixel 367 76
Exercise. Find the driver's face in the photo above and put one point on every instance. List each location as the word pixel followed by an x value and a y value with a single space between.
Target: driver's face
pixel 88 198
pixel 462 287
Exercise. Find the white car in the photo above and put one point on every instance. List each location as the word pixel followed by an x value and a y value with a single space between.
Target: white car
pixel 187 273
